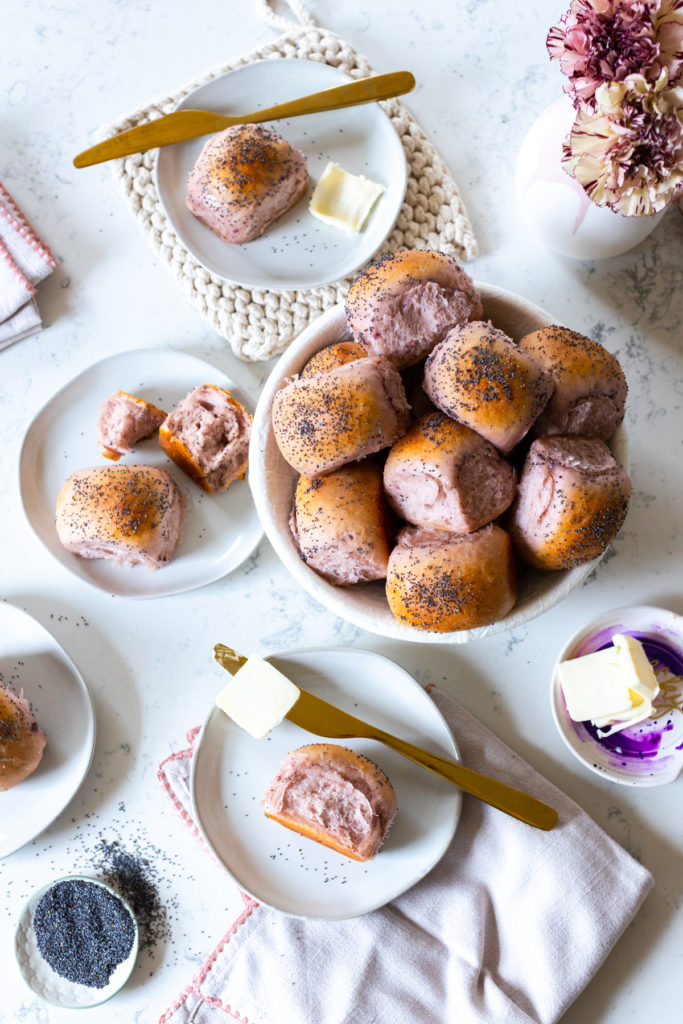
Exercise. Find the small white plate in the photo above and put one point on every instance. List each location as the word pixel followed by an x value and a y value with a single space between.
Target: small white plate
pixel 651 752
pixel 32 660
pixel 297 250
pixel 231 772
pixel 45 982
pixel 219 531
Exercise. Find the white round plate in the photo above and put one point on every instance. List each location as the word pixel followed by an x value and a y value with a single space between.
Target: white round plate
pixel 49 985
pixel 231 772
pixel 273 482
pixel 219 531
pixel 651 752
pixel 31 660
pixel 297 250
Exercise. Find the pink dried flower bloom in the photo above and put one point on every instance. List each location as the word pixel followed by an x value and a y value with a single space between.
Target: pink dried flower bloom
pixel 599 41
pixel 628 155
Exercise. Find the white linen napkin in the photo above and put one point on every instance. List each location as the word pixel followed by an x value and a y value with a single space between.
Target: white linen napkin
pixel 24 261
pixel 508 928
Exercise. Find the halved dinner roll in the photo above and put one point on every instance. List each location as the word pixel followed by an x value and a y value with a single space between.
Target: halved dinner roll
pixel 335 796
pixel 207 436
pixel 406 302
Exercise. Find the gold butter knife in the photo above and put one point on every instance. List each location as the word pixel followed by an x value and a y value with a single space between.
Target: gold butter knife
pixel 190 124
pixel 323 719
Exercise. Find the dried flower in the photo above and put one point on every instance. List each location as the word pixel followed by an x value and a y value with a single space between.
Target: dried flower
pixel 628 153
pixel 603 41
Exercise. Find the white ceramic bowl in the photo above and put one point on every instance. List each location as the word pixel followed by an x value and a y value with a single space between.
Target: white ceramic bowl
pixel 45 982
pixel 650 753
pixel 273 482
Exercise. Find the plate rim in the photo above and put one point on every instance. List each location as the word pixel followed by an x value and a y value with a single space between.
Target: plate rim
pixel 560 719
pixel 325 593
pixel 59 393
pixel 457 793
pixel 90 716
pixel 183 104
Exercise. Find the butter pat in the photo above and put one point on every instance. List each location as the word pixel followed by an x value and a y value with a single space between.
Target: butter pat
pixel 613 688
pixel 258 697
pixel 344 200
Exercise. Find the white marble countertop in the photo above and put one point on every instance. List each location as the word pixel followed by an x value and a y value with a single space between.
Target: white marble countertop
pixel 483 76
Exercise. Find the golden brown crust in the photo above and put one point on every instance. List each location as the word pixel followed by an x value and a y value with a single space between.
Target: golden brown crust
pixel 481 378
pixel 578 514
pixel 394 272
pixel 338 354
pixel 324 421
pixel 21 741
pixel 444 582
pixel 344 528
pixel 583 371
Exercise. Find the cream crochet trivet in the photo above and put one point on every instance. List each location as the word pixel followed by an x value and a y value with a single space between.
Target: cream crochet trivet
pixel 259 323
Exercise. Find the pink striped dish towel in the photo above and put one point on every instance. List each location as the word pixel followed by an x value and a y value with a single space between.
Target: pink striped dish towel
pixel 509 927
pixel 24 261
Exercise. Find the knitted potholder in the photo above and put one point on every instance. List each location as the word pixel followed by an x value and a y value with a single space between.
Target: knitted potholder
pixel 259 323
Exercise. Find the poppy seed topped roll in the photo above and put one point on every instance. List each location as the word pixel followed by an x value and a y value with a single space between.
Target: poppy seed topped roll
pixel 129 514
pixel 402 305
pixel 572 499
pixel 446 476
pixel 590 388
pixel 443 582
pixel 342 525
pixel 322 422
pixel 331 356
pixel 245 177
pixel 480 377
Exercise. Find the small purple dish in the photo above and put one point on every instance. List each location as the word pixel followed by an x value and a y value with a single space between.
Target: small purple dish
pixel 651 752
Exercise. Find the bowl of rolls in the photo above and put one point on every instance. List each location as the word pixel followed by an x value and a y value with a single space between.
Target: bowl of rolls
pixel 437 459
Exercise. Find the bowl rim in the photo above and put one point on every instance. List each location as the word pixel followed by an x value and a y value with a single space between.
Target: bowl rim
pixel 332 326
pixel 652 614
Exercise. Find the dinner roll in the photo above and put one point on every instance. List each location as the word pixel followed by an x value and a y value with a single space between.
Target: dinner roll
pixel 446 476
pixel 207 436
pixel 338 354
pixel 590 388
pixel 442 582
pixel 405 303
pixel 481 378
pixel 335 796
pixel 128 514
pixel 342 525
pixel 245 178
pixel 322 422
pixel 22 741
pixel 123 421
pixel 572 499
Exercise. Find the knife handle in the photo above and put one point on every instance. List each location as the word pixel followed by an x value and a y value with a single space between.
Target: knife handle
pixel 506 798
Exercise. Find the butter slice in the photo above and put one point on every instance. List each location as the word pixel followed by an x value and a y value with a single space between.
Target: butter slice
pixel 344 200
pixel 612 688
pixel 258 697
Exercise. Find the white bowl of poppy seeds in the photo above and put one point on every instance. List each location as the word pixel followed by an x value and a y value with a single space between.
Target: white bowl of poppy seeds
pixel 76 942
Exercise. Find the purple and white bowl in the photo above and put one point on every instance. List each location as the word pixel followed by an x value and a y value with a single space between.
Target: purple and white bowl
pixel 651 752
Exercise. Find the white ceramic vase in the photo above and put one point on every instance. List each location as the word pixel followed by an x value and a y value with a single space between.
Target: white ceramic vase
pixel 554 205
